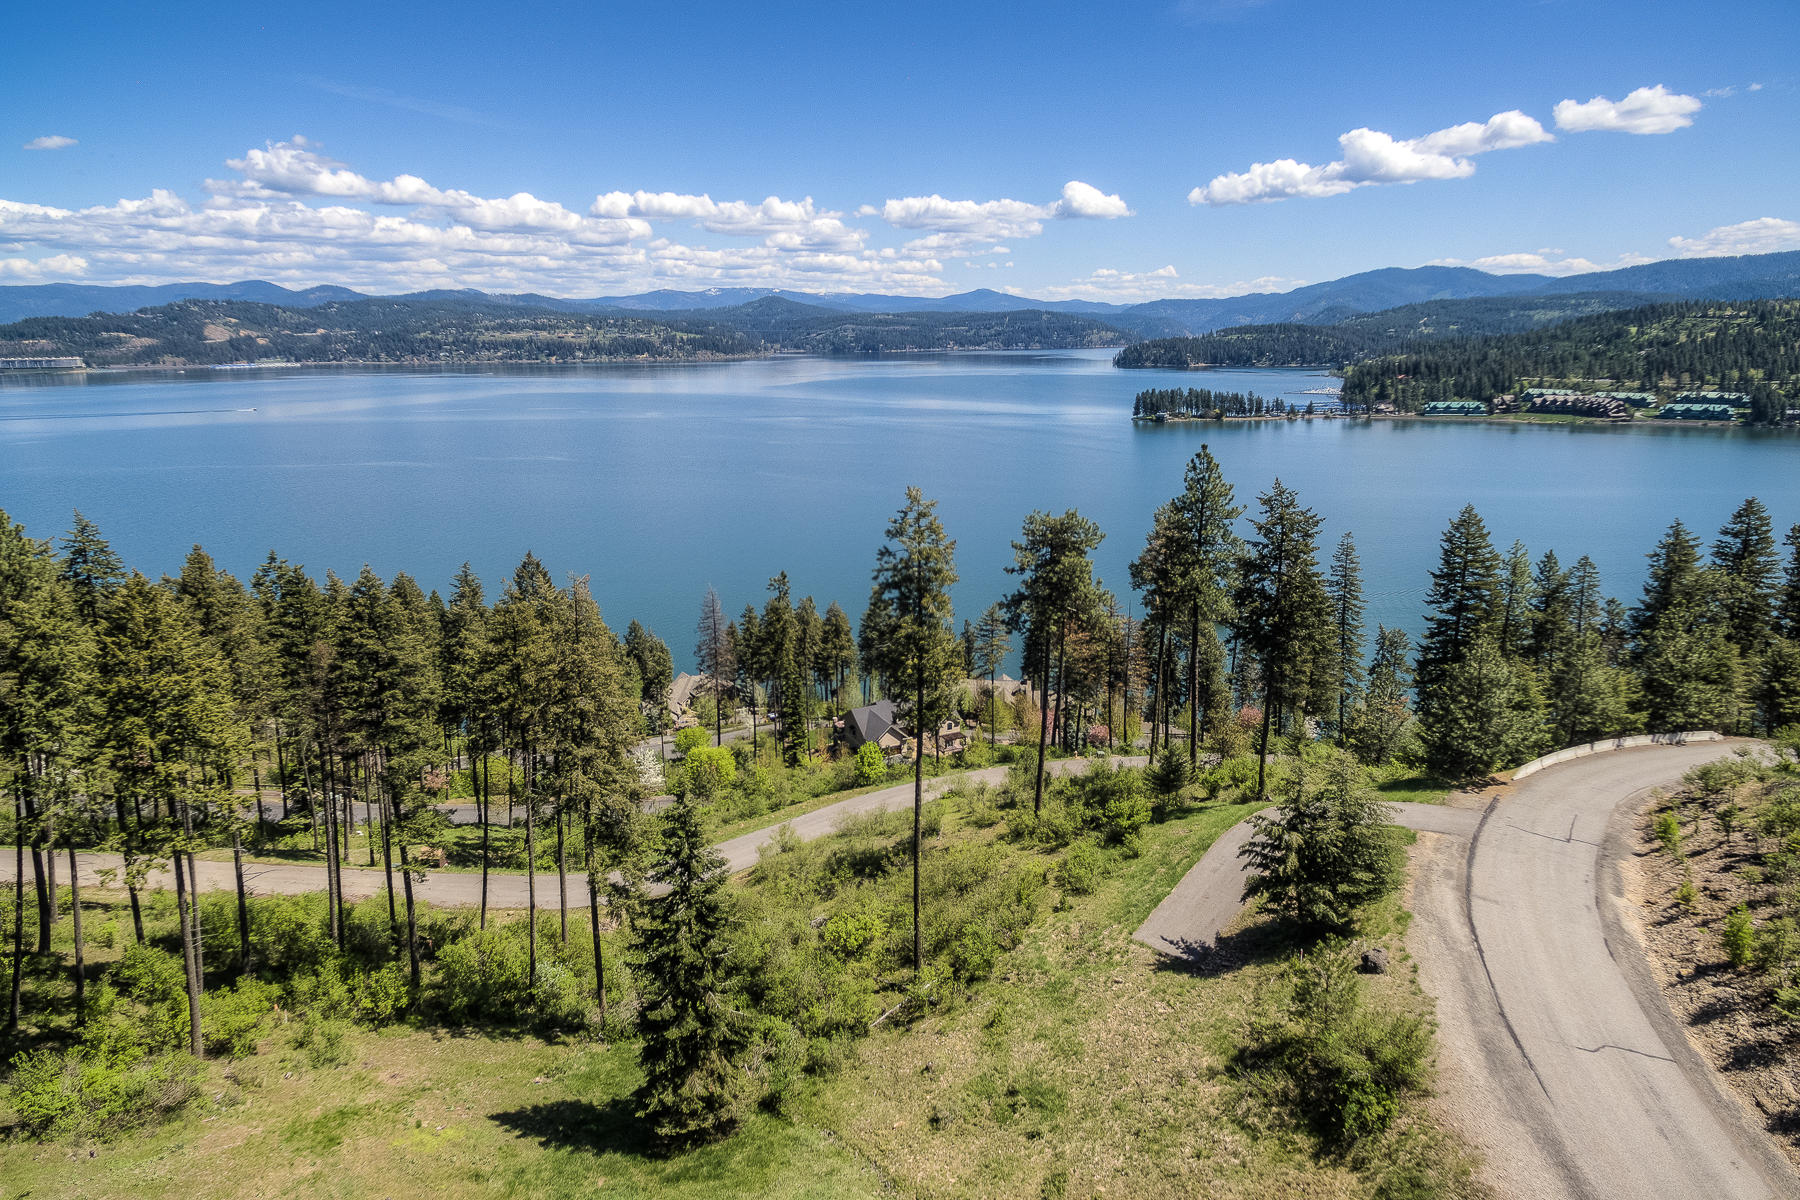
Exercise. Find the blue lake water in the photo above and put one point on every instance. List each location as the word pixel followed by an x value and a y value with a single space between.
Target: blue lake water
pixel 656 481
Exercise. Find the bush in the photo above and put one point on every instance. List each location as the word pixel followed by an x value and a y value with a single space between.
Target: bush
pixel 1343 1069
pixel 1738 937
pixel 83 1093
pixel 690 739
pixel 155 980
pixel 708 772
pixel 290 934
pixel 484 975
pixel 1079 871
pixel 1668 832
pixel 323 1042
pixel 379 996
pixel 1777 944
pixel 234 1019
pixel 869 767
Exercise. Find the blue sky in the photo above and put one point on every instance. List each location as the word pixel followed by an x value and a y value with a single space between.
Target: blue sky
pixel 1124 151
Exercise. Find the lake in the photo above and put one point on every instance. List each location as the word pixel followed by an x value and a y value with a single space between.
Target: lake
pixel 658 480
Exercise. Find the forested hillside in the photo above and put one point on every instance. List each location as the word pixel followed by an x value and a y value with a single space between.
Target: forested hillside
pixel 1752 347
pixel 214 331
pixel 458 327
pixel 1351 338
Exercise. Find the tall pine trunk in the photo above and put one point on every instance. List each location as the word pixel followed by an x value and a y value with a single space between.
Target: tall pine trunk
pixel 406 882
pixel 531 861
pixel 261 820
pixel 1262 747
pixel 486 799
pixel 919 818
pixel 1193 690
pixel 387 867
pixel 243 905
pixel 128 836
pixel 18 946
pixel 189 965
pixel 80 966
pixel 562 873
pixel 37 867
pixel 1037 795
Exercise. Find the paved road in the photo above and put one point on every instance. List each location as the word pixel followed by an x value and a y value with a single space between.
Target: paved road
pixel 450 889
pixel 1187 923
pixel 1561 1058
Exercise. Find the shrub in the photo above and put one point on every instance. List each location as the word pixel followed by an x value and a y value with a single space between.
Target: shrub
pixel 690 739
pixel 708 772
pixel 234 1019
pixel 82 1093
pixel 323 1042
pixel 870 769
pixel 154 979
pixel 1079 871
pixel 1345 1069
pixel 482 975
pixel 1776 945
pixel 1738 937
pixel 381 995
pixel 1170 774
pixel 1668 832
pixel 290 934
pixel 1123 807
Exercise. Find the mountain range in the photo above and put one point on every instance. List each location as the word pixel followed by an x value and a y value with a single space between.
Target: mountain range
pixel 1745 277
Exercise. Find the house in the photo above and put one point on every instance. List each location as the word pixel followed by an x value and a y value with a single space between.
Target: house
pixel 870 723
pixel 1455 408
pixel 1696 412
pixel 687 691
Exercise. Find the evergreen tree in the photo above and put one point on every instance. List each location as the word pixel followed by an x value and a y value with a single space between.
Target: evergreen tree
pixel 1284 616
pixel 991 648
pixel 1464 599
pixel 93 570
pixel 1549 606
pixel 1056 577
pixel 1750 571
pixel 692 1036
pixel 908 639
pixel 1673 580
pixel 655 667
pixel 713 656
pixel 1517 596
pixel 1790 587
pixel 837 649
pixel 1383 716
pixel 1202 554
pixel 1343 586
pixel 1327 851
pixel 1485 714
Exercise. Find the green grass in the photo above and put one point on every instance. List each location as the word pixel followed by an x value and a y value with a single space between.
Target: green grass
pixel 1085 1065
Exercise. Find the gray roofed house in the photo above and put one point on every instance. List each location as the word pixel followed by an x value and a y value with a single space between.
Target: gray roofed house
pixel 869 723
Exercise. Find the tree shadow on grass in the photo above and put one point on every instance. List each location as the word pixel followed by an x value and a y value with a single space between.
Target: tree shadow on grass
pixel 609 1128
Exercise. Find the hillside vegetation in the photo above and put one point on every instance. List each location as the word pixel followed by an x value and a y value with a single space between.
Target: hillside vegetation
pixel 450 327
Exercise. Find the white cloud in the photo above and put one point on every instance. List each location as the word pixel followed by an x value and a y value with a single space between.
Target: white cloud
pixel 1647 110
pixel 1764 235
pixel 1085 200
pixel 1373 157
pixel 794 224
pixel 1130 287
pixel 963 227
pixel 1547 261
pixel 57 266
pixel 54 141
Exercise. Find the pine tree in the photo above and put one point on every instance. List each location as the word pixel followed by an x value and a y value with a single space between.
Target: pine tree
pixel 1464 598
pixel 655 667
pixel 1284 616
pixel 713 656
pixel 908 640
pixel 1056 577
pixel 1549 606
pixel 93 570
pixel 692 1034
pixel 1326 851
pixel 1517 596
pixel 1744 554
pixel 1203 554
pixel 464 706
pixel 1790 587
pixel 1383 716
pixel 991 648
pixel 1485 714
pixel 1343 586
pixel 837 648
pixel 1673 580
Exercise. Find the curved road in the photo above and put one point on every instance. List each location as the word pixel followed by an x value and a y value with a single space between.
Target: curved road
pixel 1560 1058
pixel 1561 1052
